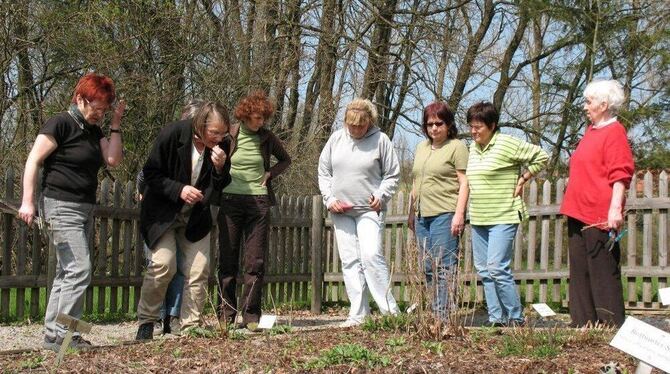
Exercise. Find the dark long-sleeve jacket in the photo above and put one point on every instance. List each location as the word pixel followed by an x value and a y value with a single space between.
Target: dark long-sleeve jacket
pixel 270 146
pixel 166 172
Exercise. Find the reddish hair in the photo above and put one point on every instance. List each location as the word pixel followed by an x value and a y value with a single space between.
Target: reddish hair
pixel 94 87
pixel 442 111
pixel 255 102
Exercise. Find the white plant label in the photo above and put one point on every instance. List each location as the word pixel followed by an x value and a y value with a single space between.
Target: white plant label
pixel 664 295
pixel 644 342
pixel 543 310
pixel 411 308
pixel 267 321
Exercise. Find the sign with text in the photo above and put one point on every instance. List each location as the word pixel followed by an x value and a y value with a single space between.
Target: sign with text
pixel 664 295
pixel 644 342
pixel 267 321
pixel 543 310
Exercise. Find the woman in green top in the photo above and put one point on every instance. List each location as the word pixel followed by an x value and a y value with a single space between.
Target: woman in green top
pixel 496 207
pixel 439 196
pixel 244 211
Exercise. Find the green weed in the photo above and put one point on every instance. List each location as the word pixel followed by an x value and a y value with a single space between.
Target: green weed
pixel 435 347
pixel 348 354
pixel 386 323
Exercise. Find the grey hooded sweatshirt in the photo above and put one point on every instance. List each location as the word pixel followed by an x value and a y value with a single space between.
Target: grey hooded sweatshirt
pixel 350 170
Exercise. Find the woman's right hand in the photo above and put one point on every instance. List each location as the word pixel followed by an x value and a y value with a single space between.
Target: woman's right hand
pixel 336 207
pixel 410 222
pixel 27 213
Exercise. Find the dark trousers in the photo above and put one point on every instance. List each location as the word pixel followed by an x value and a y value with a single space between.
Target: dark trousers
pixel 596 294
pixel 242 217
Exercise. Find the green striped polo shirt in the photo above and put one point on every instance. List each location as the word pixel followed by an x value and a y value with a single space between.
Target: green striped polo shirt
pixel 493 173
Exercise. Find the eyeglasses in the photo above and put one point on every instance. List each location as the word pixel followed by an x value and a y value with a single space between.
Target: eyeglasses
pixel 101 110
pixel 436 124
pixel 216 133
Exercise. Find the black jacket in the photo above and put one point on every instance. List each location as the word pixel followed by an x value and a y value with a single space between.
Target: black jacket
pixel 166 172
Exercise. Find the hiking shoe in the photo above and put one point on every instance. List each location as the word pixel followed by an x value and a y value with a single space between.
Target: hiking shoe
pixel 49 343
pixel 495 324
pixel 175 326
pixel 145 331
pixel 350 323
pixel 516 323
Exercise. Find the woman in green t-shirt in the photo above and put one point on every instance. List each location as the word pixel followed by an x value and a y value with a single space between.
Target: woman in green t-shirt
pixel 439 196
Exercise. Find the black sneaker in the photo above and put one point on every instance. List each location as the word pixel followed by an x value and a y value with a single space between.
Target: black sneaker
pixel 145 331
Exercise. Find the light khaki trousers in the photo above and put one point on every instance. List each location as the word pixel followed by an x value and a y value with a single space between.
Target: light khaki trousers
pixel 163 266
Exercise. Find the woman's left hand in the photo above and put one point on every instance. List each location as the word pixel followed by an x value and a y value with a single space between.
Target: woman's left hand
pixel 614 219
pixel 118 114
pixel 375 203
pixel 457 224
pixel 218 157
pixel 266 178
pixel 519 187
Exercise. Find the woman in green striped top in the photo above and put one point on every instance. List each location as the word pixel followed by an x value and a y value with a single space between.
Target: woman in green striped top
pixel 496 207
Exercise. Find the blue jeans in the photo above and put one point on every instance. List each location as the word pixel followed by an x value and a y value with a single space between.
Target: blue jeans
pixel 172 304
pixel 439 254
pixel 70 226
pixel 492 252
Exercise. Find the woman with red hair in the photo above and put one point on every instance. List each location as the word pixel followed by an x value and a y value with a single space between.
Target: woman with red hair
pixel 71 147
pixel 244 211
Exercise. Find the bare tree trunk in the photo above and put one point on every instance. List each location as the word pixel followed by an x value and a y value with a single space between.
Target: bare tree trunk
pixel 471 53
pixel 376 70
pixel 536 88
pixel 504 82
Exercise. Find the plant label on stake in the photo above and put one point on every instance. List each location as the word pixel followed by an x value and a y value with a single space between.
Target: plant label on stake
pixel 664 295
pixel 267 321
pixel 645 342
pixel 543 310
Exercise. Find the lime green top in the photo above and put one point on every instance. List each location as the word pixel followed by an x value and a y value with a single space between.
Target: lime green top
pixel 493 173
pixel 247 169
pixel 434 176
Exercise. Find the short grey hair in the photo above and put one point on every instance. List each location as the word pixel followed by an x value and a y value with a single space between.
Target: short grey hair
pixel 606 91
pixel 191 108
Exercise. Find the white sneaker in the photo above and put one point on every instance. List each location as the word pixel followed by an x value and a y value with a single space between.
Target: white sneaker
pixel 350 323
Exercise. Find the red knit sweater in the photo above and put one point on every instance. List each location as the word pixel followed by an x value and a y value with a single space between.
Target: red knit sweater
pixel 602 158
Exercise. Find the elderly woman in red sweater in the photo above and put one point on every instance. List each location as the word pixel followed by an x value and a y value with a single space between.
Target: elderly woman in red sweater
pixel 601 169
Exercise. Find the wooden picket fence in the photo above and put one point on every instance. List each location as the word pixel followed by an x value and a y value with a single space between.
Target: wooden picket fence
pixel 303 267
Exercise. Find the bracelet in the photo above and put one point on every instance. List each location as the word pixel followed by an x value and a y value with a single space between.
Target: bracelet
pixel 118 131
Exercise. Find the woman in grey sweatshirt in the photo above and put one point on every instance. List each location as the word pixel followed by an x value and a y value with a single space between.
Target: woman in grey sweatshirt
pixel 358 175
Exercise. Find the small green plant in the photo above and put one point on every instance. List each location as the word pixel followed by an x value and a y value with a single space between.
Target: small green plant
pixel 396 342
pixel 280 329
pixel 199 332
pixel 435 347
pixel 349 354
pixel 387 323
pixel 32 362
pixel 531 342
pixel 237 335
pixel 177 353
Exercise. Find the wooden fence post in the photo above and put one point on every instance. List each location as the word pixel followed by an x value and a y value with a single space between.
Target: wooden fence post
pixel 317 249
pixel 7 245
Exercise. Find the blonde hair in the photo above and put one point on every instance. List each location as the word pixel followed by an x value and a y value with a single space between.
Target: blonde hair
pixel 360 111
pixel 606 91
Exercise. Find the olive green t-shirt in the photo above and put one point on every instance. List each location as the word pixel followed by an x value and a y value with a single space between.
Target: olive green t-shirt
pixel 247 169
pixel 434 176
